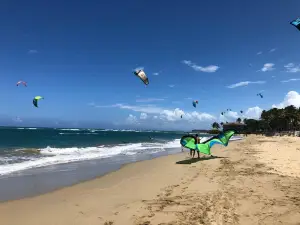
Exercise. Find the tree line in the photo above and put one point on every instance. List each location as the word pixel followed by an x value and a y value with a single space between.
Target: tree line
pixel 273 120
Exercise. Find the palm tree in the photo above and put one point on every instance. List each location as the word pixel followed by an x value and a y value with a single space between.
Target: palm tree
pixel 238 120
pixel 215 125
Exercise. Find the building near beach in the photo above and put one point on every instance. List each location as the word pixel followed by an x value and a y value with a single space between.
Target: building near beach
pixel 239 127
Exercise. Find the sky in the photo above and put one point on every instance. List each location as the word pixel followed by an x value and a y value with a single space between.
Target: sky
pixel 80 55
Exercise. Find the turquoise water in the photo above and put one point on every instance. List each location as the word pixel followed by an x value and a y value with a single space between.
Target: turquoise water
pixel 27 148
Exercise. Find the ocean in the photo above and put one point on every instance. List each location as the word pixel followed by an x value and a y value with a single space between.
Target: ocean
pixel 26 148
pixel 39 160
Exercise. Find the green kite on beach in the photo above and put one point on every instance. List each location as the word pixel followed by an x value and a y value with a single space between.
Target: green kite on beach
pixel 188 141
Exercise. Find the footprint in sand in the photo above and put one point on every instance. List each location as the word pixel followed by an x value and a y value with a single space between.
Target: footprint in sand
pixel 109 223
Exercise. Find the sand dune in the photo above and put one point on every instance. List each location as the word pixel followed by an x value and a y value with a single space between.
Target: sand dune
pixel 246 184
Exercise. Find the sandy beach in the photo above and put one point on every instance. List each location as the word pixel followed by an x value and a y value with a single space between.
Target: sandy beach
pixel 253 181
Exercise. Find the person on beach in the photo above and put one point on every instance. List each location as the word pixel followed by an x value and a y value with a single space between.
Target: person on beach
pixel 192 152
pixel 197 142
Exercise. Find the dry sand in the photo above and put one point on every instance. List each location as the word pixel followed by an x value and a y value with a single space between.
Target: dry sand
pixel 254 183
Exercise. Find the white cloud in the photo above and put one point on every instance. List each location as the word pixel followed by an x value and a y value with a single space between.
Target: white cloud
pixel 290 80
pixel 171 85
pixel 92 104
pixel 273 50
pixel 289 65
pixel 17 120
pixel 253 113
pixel 176 102
pixel 156 74
pixel 188 98
pixel 259 53
pixel 229 116
pixel 131 119
pixel 245 83
pixel 32 51
pixel 175 115
pixel 151 109
pixel 143 116
pixel 250 113
pixel 291 98
pixel 150 100
pixel 268 67
pixel 141 108
pixel 292 68
pixel 153 116
pixel 207 69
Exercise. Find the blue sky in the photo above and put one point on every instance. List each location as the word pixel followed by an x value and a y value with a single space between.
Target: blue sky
pixel 80 56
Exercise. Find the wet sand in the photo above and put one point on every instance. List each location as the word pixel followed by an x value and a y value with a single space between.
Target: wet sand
pixel 245 184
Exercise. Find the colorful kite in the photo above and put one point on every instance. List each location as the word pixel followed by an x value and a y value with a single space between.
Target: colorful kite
pixel 296 23
pixel 141 74
pixel 260 94
pixel 195 103
pixel 22 82
pixel 36 99
pixel 189 141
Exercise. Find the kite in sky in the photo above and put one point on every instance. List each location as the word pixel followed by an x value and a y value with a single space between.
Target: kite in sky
pixel 141 74
pixel 195 103
pixel 188 141
pixel 36 99
pixel 260 94
pixel 22 82
pixel 296 23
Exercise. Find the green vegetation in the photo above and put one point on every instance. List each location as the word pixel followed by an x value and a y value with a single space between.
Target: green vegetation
pixel 276 120
pixel 215 125
pixel 273 120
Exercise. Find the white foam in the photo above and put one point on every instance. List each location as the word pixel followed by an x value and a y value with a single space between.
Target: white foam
pixel 77 133
pixel 27 128
pixel 54 156
pixel 70 129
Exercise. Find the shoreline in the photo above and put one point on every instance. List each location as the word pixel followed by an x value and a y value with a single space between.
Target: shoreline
pixel 38 181
pixel 240 186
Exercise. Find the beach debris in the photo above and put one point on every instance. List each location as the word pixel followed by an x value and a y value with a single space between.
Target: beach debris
pixel 195 103
pixel 296 23
pixel 22 82
pixel 142 75
pixel 189 141
pixel 36 99
pixel 260 94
